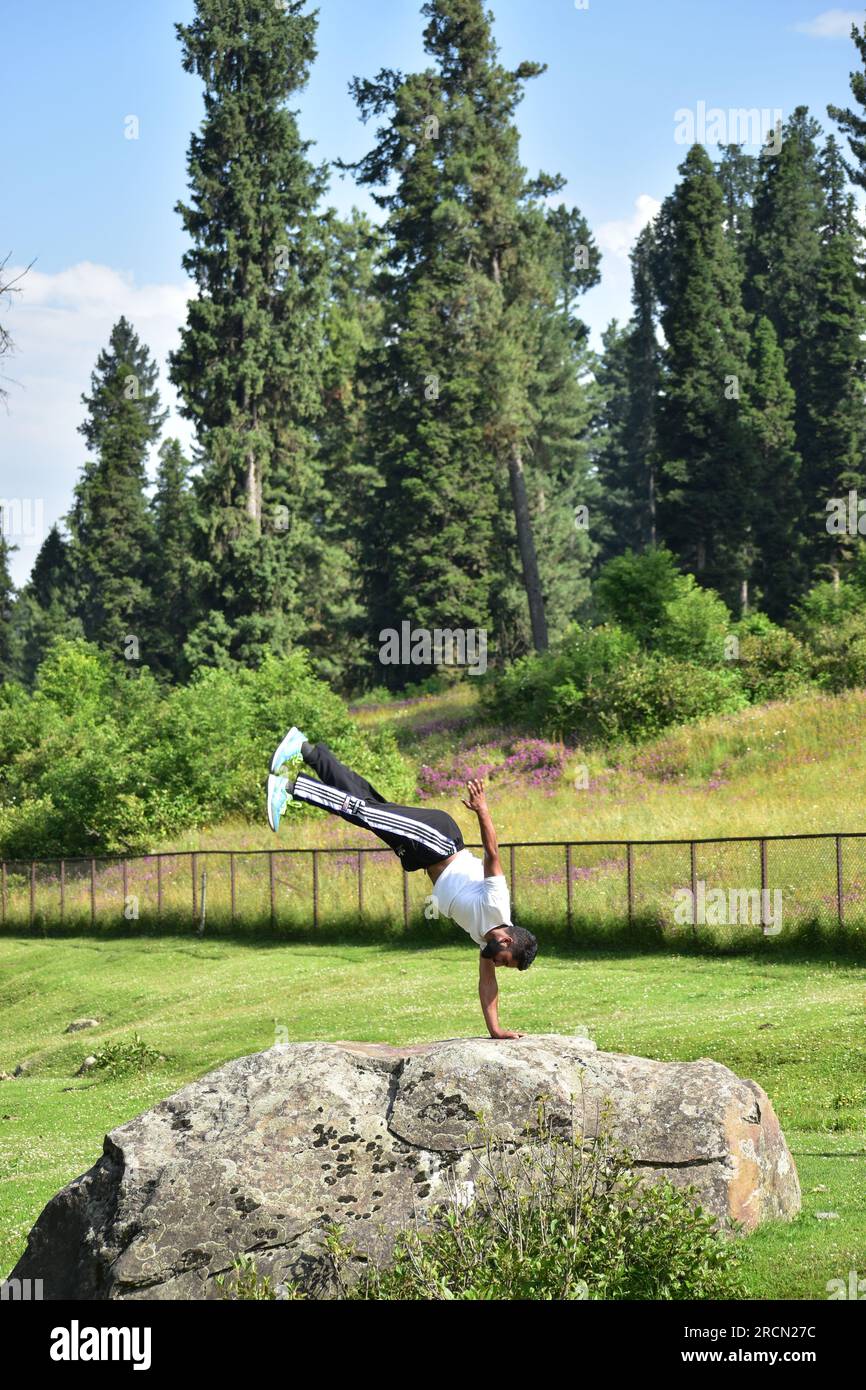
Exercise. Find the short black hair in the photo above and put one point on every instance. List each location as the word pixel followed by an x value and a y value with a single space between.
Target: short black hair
pixel 523 946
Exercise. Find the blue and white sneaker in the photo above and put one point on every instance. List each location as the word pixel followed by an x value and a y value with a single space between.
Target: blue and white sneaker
pixel 279 797
pixel 289 748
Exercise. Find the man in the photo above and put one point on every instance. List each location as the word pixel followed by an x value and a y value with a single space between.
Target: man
pixel 474 894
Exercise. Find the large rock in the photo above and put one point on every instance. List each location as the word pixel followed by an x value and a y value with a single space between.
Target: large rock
pixel 261 1154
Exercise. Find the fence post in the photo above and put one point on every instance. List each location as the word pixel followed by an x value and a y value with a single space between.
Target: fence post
pixel 125 882
pixel 159 885
pixel 693 857
pixel 763 885
pixel 32 890
pixel 629 879
pixel 233 886
pixel 405 899
pixel 272 886
pixel 568 887
pixel 92 892
pixel 840 903
pixel 360 883
pixel 513 876
pixel 194 863
pixel 3 892
pixel 315 888
pixel 203 902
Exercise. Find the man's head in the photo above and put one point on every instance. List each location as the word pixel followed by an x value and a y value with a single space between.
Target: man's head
pixel 510 946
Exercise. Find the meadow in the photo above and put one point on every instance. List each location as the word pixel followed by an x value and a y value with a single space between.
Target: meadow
pixel 788 1013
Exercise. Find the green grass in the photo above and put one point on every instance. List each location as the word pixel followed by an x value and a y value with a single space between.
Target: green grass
pixel 793 1022
pixel 795 1026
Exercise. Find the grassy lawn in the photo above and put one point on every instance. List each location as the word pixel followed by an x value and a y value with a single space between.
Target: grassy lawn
pixel 795 1026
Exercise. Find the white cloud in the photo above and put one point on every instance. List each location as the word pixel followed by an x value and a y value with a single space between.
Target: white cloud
pixel 617 238
pixel 59 323
pixel 831 24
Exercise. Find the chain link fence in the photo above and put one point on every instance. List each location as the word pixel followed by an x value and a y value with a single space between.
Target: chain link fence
pixel 760 885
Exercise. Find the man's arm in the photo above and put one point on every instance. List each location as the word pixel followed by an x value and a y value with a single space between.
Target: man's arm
pixel 488 993
pixel 478 803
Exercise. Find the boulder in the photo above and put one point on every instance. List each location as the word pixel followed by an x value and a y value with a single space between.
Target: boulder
pixel 260 1155
pixel 78 1024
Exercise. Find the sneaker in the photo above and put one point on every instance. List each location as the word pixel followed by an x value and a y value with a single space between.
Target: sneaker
pixel 289 748
pixel 279 796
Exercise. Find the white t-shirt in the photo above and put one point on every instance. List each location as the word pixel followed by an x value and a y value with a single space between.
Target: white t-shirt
pixel 475 903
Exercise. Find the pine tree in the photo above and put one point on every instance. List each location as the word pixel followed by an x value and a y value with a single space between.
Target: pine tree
pixel 852 122
pixel 45 607
pixel 171 570
pixel 705 488
pixel 835 429
pixel 9 666
pixel 249 364
pixel 335 625
pixel 778 544
pixel 619 503
pixel 737 173
pixel 109 522
pixel 628 460
pixel 468 290
pixel 785 254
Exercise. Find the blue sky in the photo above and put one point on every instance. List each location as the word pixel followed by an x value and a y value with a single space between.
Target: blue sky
pixel 95 209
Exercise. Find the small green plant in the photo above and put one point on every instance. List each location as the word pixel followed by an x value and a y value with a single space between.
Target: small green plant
pixel 126 1055
pixel 245 1284
pixel 561 1217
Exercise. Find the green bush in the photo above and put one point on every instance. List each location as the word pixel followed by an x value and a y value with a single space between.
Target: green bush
pixel 597 686
pixel 102 759
pixel 695 625
pixel 635 589
pixel 838 652
pixel 560 1218
pixel 773 663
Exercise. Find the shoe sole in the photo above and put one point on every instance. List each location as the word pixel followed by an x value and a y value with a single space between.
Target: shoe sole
pixel 278 759
pixel 275 828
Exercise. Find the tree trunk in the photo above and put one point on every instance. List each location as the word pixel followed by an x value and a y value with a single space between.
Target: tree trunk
pixel 744 597
pixel 528 557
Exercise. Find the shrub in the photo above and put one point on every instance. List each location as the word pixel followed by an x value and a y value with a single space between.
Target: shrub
pixel 99 760
pixel 773 664
pixel 838 652
pixel 125 1056
pixel 695 624
pixel 584 657
pixel 635 589
pixel 560 1218
pixel 597 686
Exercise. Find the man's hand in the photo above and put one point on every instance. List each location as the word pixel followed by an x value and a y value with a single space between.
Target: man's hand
pixel 477 799
pixel 506 1034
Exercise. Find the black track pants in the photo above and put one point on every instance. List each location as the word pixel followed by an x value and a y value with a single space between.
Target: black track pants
pixel 418 837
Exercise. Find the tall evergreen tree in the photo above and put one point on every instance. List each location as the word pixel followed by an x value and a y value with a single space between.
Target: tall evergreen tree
pixel 785 254
pixel 777 541
pixel 45 609
pixel 619 502
pixel 853 122
pixel 171 568
pixel 737 173
pixel 109 522
pixel 8 645
pixel 835 430
pixel 705 488
pixel 467 291
pixel 249 365
pixel 335 626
